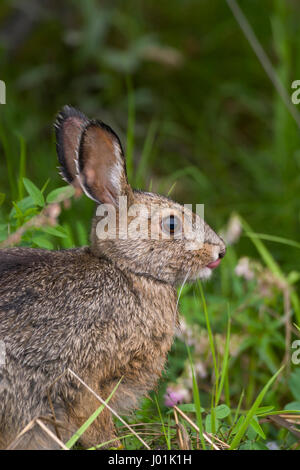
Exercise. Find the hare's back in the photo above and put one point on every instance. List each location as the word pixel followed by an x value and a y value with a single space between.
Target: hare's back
pixel 52 301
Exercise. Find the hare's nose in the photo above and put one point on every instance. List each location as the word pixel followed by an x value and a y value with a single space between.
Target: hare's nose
pixel 222 252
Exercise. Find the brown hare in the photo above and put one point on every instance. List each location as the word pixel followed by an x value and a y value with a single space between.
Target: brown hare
pixel 107 311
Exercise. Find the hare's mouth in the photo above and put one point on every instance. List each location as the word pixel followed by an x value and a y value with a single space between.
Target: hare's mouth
pixel 219 255
pixel 214 264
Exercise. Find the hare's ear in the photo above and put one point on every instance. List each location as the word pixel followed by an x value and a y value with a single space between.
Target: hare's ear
pixel 68 128
pixel 101 164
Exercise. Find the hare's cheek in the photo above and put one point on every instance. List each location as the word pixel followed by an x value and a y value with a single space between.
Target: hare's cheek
pixel 193 245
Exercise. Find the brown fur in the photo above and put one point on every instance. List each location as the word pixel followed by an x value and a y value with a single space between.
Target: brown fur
pixel 107 312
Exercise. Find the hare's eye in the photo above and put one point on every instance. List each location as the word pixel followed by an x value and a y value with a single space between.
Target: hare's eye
pixel 171 224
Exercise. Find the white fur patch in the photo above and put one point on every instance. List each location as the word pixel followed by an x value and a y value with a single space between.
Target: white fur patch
pixel 215 252
pixel 117 170
pixel 204 273
pixel 78 176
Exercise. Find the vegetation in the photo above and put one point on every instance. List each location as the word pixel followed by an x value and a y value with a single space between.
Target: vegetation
pixel 199 119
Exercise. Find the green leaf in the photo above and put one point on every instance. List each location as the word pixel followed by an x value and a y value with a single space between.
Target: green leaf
pixel 247 445
pixel 189 408
pixel 264 409
pixel 17 211
pixel 22 206
pixel 56 231
pixel 45 185
pixel 222 411
pixel 238 425
pixel 293 277
pixel 257 427
pixel 294 405
pixel 2 198
pixel 259 446
pixel 294 384
pixel 42 242
pixel 34 192
pixel 251 433
pixel 59 194
pixel 30 212
pixel 209 424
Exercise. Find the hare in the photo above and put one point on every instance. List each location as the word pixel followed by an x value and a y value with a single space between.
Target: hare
pixel 108 311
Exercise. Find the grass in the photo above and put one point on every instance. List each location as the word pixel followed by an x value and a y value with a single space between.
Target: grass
pixel 209 129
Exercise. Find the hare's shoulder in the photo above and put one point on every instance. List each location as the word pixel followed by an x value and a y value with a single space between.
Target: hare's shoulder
pixel 53 303
pixel 23 260
pixel 62 284
pixel 17 259
pixel 59 272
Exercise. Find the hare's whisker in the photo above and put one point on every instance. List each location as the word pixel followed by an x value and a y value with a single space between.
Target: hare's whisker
pixel 181 287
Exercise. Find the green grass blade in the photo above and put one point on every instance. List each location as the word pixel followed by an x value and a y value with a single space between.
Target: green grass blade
pixel 34 192
pixel 22 166
pixel 251 413
pixel 197 400
pixel 210 336
pixel 271 264
pixel 224 370
pixel 238 408
pixel 273 238
pixel 9 161
pixel 72 441
pixel 99 446
pixel 145 156
pixel 130 130
pixel 263 251
pixel 163 424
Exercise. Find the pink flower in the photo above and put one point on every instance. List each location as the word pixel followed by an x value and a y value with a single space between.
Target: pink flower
pixel 174 396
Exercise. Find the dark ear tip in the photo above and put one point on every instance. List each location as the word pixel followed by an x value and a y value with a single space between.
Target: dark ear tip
pixel 66 112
